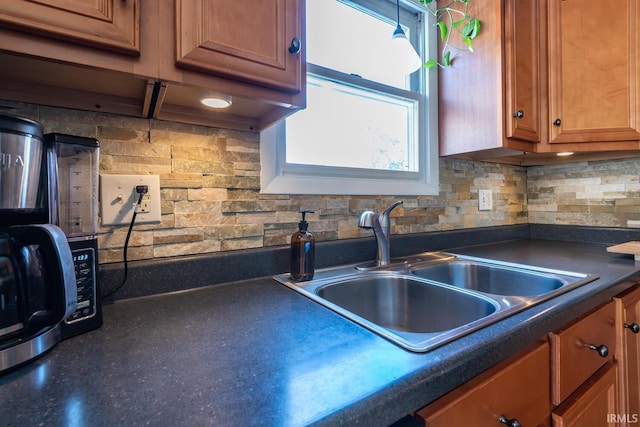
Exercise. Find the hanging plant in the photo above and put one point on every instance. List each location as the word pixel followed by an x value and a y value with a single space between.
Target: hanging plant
pixel 452 18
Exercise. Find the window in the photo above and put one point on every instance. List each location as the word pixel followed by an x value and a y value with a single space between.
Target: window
pixel 368 128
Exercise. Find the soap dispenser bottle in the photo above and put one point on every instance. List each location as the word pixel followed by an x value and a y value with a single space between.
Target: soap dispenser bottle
pixel 302 251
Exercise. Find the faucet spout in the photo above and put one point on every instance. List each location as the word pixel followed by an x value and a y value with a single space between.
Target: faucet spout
pixel 381 229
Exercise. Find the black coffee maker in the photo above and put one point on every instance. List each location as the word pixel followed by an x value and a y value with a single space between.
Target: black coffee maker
pixel 37 278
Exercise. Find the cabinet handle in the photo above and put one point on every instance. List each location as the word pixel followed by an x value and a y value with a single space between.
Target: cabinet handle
pixel 295 45
pixel 633 327
pixel 519 114
pixel 602 350
pixel 557 122
pixel 511 423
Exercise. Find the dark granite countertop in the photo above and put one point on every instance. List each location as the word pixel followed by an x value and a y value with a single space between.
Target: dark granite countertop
pixel 254 352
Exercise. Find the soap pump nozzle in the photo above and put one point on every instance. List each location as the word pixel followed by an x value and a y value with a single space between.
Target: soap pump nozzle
pixel 304 225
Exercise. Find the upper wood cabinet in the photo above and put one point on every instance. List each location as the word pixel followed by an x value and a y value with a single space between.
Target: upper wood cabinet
pixel 106 24
pixel 257 44
pixel 594 71
pixel 489 100
pixel 522 77
pixel 157 58
pixel 546 76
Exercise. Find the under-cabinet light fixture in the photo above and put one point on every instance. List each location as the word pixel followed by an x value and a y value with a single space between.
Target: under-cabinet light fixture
pixel 564 153
pixel 407 58
pixel 217 101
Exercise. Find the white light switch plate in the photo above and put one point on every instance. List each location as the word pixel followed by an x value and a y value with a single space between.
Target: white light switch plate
pixel 118 198
pixel 485 200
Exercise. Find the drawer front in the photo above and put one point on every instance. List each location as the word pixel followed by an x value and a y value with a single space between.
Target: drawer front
pixel 577 350
pixel 595 404
pixel 517 389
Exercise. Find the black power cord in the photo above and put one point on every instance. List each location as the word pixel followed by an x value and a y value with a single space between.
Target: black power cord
pixel 141 190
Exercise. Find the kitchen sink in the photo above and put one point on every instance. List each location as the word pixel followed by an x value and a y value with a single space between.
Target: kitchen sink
pixel 405 304
pixel 429 299
pixel 492 279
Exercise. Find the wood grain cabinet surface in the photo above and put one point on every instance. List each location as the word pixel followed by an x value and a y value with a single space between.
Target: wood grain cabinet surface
pixel 107 24
pixel 546 76
pixel 489 100
pixel 594 404
pixel 157 58
pixel 628 353
pixel 515 390
pixel 594 75
pixel 580 349
pixel 256 44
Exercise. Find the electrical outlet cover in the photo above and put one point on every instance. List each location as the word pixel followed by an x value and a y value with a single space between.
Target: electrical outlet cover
pixel 485 202
pixel 118 198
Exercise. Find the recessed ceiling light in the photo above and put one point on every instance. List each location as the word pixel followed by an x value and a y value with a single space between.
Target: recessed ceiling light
pixel 565 153
pixel 218 101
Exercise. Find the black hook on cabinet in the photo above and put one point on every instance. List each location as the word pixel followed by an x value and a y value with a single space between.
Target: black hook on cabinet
pixel 509 422
pixel 295 46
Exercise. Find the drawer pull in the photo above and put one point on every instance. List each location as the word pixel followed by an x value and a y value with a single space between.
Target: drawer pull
pixel 511 423
pixel 602 350
pixel 633 327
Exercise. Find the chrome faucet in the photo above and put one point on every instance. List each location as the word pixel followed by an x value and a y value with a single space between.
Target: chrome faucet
pixel 380 225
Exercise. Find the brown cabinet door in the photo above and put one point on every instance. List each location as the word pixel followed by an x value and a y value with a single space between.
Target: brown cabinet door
pixel 522 59
pixel 628 353
pixel 593 71
pixel 514 390
pixel 249 41
pixel 577 350
pixel 595 404
pixel 106 24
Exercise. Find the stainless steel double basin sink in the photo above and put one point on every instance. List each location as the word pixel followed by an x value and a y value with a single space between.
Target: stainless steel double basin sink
pixel 429 299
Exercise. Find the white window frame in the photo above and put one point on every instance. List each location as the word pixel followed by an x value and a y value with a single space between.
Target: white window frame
pixel 279 177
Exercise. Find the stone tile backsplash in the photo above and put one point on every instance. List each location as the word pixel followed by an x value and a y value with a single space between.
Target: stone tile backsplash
pixel 598 193
pixel 211 201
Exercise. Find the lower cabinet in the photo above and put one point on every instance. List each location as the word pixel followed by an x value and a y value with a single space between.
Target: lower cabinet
pixel 628 354
pixel 579 349
pixel 514 391
pixel 594 404
pixel 571 378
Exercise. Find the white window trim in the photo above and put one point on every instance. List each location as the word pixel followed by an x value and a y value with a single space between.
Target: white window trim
pixel 278 178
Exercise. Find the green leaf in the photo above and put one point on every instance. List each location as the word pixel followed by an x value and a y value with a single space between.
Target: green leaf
pixel 446 59
pixel 425 1
pixel 474 28
pixel 443 30
pixel 431 63
pixel 467 41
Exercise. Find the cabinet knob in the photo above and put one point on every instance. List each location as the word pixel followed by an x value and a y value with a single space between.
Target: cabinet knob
pixel 295 45
pixel 557 122
pixel 511 423
pixel 602 350
pixel 633 327
pixel 519 114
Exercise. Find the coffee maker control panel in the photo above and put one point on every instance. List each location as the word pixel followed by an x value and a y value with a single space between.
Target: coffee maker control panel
pixel 84 262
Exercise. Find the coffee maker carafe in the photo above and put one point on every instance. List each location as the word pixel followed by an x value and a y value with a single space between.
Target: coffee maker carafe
pixel 37 279
pixel 74 170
